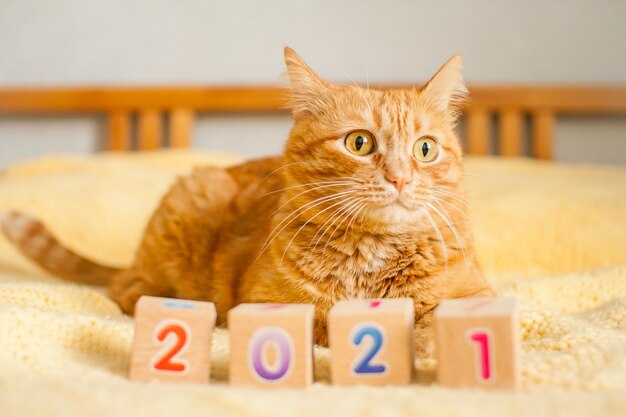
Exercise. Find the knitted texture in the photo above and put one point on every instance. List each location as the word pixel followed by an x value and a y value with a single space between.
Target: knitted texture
pixel 550 235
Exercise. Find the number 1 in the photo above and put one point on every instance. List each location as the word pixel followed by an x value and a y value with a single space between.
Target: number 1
pixel 483 352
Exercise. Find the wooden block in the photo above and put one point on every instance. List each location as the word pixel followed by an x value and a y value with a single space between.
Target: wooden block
pixel 477 343
pixel 371 342
pixel 271 344
pixel 172 340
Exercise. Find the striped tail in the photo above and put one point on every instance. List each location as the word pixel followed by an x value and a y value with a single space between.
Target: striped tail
pixel 32 238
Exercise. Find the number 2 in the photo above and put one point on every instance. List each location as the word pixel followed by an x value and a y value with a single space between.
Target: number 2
pixel 175 336
pixel 483 352
pixel 362 364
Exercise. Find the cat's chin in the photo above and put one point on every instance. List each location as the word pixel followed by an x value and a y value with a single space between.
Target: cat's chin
pixel 396 212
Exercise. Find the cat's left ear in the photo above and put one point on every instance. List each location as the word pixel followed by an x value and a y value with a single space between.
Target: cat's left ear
pixel 446 90
pixel 307 91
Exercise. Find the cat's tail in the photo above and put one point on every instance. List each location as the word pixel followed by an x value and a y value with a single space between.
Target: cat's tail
pixel 36 242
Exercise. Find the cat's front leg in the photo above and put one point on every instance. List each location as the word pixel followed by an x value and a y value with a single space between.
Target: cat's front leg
pixel 423 335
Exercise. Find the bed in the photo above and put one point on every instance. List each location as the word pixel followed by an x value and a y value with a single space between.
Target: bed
pixel 550 234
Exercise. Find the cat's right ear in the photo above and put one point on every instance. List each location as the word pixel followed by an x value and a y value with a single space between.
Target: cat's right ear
pixel 307 91
pixel 446 90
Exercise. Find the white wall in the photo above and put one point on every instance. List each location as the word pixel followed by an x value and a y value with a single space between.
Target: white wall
pixel 87 42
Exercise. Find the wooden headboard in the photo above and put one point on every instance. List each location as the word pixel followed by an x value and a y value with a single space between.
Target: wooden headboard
pixel 163 117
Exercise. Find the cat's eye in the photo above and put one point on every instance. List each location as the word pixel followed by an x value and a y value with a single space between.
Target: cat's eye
pixel 360 142
pixel 426 149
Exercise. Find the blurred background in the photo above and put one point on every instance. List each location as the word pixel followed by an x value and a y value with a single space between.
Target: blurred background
pixel 203 42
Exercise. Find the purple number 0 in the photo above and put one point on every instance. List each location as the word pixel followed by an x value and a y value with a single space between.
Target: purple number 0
pixel 363 364
pixel 284 346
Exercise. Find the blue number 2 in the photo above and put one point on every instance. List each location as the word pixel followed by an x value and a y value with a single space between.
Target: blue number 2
pixel 363 365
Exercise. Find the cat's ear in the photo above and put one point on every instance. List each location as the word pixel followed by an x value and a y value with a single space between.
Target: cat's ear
pixel 307 91
pixel 446 90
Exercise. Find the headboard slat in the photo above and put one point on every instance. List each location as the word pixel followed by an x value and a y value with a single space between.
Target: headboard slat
pixel 180 128
pixel 542 138
pixel 149 130
pixel 478 131
pixel 511 132
pixel 118 131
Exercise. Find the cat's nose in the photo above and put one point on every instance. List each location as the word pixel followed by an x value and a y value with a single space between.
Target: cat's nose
pixel 398 181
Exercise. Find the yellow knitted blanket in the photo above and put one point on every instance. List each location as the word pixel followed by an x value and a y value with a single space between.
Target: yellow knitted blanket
pixel 552 235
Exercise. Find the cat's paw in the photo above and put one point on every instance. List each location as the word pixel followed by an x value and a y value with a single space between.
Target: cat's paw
pixel 424 344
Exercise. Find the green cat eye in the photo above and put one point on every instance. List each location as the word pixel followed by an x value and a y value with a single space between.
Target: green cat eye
pixel 360 142
pixel 426 149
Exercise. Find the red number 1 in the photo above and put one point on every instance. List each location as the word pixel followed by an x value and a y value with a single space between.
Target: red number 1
pixel 168 358
pixel 483 352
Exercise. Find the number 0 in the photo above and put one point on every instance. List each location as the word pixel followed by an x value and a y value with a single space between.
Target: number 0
pixel 175 336
pixel 281 368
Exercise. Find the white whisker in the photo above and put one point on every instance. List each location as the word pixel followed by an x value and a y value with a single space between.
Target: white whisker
pixel 450 194
pixel 330 219
pixel 335 216
pixel 308 221
pixel 439 235
pixel 342 221
pixel 356 214
pixel 440 200
pixel 313 203
pixel 450 224
pixel 278 169
pixel 296 213
pixel 477 174
pixel 307 184
pixel 345 211
pixel 300 194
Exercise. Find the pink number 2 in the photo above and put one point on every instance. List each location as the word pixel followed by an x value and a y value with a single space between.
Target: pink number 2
pixel 483 352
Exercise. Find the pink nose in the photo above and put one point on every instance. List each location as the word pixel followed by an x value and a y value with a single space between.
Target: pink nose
pixel 398 181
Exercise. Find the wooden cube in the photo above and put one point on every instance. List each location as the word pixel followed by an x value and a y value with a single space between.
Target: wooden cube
pixel 172 340
pixel 371 342
pixel 477 343
pixel 271 344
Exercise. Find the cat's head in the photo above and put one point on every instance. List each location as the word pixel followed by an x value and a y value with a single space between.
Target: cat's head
pixel 385 153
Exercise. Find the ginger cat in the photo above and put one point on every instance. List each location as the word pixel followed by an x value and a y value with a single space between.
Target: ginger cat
pixel 366 202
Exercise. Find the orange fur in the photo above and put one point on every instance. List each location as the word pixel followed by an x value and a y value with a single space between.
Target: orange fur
pixel 320 224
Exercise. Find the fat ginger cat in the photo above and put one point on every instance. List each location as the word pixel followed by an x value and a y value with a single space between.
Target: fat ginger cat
pixel 365 202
